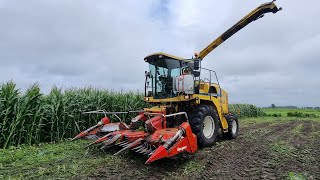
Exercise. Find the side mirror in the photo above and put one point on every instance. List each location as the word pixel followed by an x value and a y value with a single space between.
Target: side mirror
pixel 196 64
pixel 196 73
pixel 147 74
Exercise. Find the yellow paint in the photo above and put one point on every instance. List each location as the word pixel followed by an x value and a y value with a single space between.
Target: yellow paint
pixel 267 7
pixel 164 54
pixel 156 109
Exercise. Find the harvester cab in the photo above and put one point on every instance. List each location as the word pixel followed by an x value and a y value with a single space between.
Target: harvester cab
pixel 187 107
pixel 169 76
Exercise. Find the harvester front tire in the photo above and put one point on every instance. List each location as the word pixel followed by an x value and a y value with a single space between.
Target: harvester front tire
pixel 233 129
pixel 204 123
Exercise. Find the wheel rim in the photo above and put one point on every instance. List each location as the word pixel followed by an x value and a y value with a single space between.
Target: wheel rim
pixel 234 127
pixel 208 126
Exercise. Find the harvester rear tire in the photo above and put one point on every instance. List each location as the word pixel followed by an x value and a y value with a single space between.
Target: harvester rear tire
pixel 205 115
pixel 233 126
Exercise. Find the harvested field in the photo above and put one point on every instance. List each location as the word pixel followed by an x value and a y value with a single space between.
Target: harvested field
pixel 265 149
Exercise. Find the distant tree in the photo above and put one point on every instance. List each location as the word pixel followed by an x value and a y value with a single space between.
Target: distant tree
pixel 273 106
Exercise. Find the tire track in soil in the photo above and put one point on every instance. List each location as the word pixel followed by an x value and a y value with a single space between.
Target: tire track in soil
pixel 314 140
pixel 250 159
pixel 304 158
pixel 316 151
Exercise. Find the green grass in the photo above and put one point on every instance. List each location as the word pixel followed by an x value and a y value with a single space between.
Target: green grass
pixel 284 111
pixel 296 176
pixel 271 119
pixel 64 160
pixel 193 167
pixel 51 161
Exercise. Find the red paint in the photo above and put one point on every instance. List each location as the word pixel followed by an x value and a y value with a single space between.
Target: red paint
pixel 161 152
pixel 105 120
pixel 164 134
pixel 155 123
pixel 187 143
pixel 134 135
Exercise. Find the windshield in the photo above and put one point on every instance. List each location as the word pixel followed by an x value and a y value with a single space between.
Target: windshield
pixel 162 72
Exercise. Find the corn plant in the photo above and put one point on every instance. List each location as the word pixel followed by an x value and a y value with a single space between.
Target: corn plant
pixel 245 110
pixel 31 117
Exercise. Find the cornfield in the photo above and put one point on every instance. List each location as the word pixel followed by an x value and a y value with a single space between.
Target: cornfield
pixel 32 117
pixel 246 110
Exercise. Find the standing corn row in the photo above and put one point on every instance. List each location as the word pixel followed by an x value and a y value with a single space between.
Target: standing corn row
pixel 31 117
pixel 245 110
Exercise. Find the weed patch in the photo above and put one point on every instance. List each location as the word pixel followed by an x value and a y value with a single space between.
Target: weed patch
pixel 282 148
pixel 193 167
pixel 298 129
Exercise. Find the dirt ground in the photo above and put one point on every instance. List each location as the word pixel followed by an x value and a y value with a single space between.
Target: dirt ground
pixel 268 150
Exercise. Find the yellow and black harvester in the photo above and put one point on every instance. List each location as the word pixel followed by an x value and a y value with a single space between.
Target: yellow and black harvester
pixel 188 108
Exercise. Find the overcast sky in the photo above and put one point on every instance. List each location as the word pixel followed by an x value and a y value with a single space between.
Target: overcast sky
pixel 78 43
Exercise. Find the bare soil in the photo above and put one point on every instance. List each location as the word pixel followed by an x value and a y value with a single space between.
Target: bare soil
pixel 269 150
